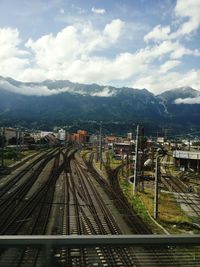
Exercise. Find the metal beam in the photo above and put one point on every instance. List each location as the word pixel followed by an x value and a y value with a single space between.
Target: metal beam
pixel 98 240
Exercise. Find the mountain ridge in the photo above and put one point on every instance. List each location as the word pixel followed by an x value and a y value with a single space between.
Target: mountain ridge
pixel 56 84
pixel 62 102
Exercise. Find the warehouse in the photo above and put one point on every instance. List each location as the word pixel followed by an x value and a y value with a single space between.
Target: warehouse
pixel 187 160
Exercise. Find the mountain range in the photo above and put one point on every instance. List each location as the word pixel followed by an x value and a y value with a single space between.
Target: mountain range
pixel 59 102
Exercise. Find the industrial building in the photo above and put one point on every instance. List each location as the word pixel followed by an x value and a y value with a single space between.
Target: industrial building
pixel 123 149
pixel 81 137
pixel 187 160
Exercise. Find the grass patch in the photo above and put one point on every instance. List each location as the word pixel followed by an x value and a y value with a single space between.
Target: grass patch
pixel 85 154
pixel 170 214
pixel 12 158
pixel 114 163
pixel 168 210
pixel 134 201
pixel 8 162
pixel 102 170
pixel 28 153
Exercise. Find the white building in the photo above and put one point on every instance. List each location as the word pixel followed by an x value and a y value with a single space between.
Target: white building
pixel 129 136
pixel 62 135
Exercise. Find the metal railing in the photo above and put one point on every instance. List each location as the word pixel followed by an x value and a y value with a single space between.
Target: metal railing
pixel 98 240
pixel 170 250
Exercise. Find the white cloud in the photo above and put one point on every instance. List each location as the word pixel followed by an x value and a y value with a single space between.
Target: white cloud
pixel 106 92
pixel 52 51
pixel 73 42
pixel 168 65
pixel 190 10
pixel 13 59
pixel 31 90
pixel 113 30
pixel 72 51
pixel 159 83
pixel 39 90
pixel 188 100
pixel 98 10
pixel 158 33
pixel 71 54
pixel 81 53
pixel 180 51
pixel 100 69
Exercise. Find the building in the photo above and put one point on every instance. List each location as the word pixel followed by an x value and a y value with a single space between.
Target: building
pixel 160 140
pixel 130 136
pixel 187 160
pixel 9 133
pixel 123 149
pixel 36 136
pixel 94 139
pixel 81 137
pixel 61 135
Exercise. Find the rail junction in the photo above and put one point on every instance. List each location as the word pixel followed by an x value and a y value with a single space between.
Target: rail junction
pixel 61 196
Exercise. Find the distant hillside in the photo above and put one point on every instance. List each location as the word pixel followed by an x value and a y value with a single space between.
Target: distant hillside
pixel 182 92
pixel 179 112
pixel 51 103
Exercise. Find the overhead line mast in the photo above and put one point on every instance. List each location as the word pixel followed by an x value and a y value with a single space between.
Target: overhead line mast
pixel 136 162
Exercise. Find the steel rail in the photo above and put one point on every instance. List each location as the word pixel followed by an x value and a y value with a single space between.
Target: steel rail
pixel 117 255
pixel 174 184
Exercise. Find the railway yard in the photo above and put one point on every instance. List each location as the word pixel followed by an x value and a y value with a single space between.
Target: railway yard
pixel 57 192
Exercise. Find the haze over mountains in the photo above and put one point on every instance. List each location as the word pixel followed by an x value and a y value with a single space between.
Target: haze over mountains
pixel 51 103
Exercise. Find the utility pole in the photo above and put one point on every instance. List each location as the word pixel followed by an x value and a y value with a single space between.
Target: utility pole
pixel 136 162
pixel 20 142
pixel 17 144
pixel 127 164
pixel 155 213
pixel 141 160
pixel 100 145
pixel 2 146
pixel 189 144
pixel 122 163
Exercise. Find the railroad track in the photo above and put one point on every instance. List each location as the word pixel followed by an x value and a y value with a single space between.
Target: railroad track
pixel 10 183
pixel 114 191
pixel 88 214
pixel 68 203
pixel 181 189
pixel 149 256
pixel 42 212
pixel 32 218
pixel 16 198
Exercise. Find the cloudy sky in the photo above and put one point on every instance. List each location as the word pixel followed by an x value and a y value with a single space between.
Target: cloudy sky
pixel 153 44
